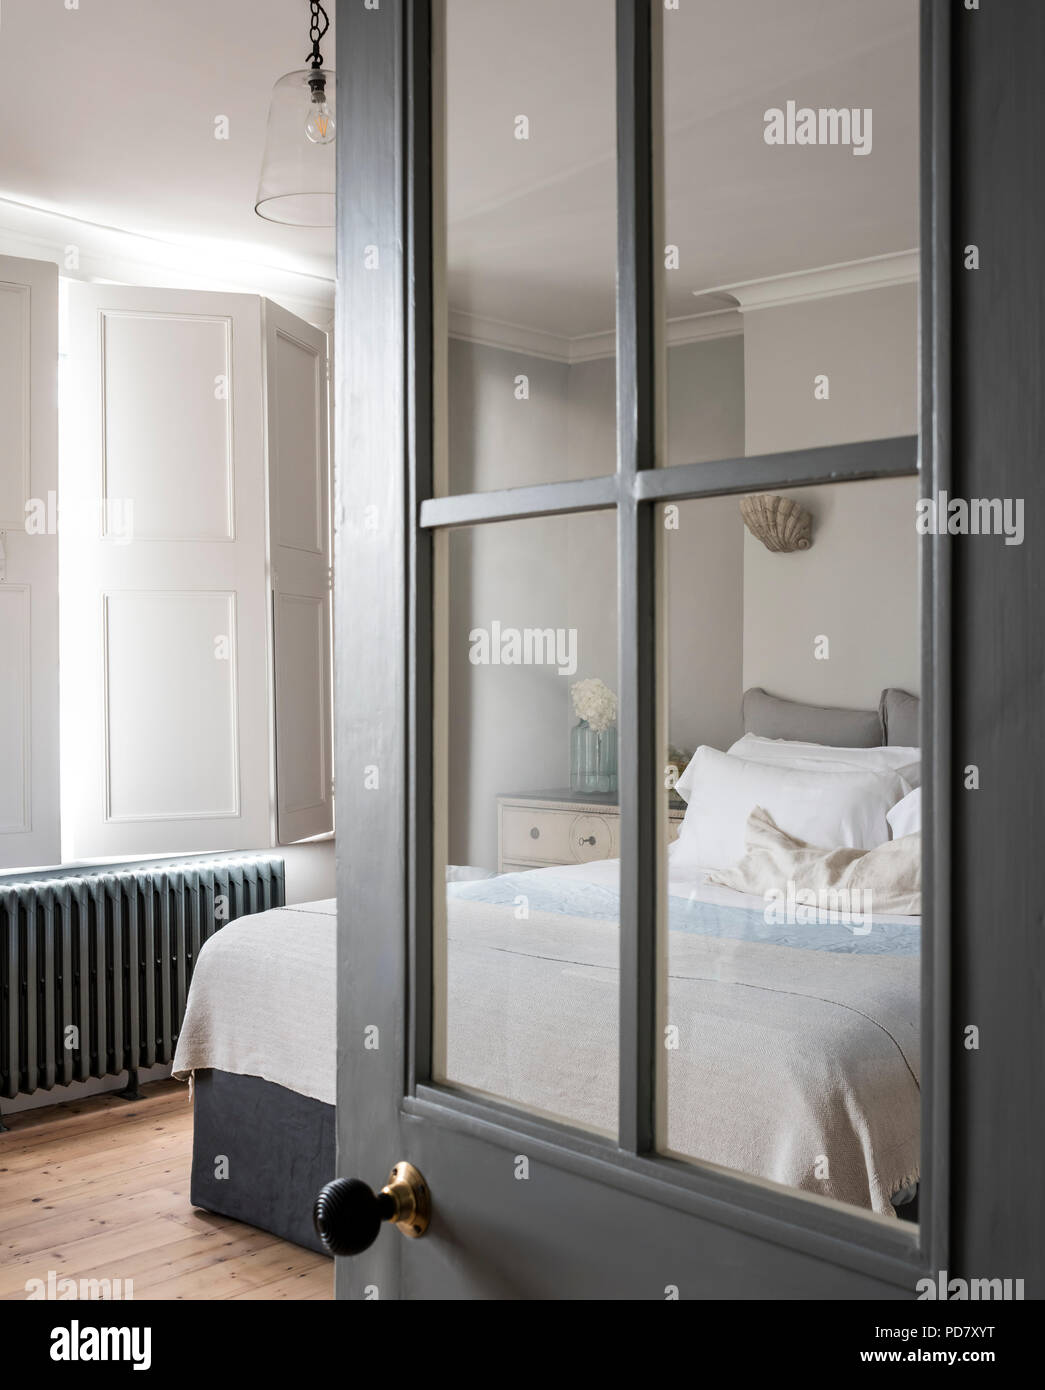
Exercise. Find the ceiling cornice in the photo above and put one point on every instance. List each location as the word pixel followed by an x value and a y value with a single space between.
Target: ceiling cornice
pixel 512 337
pixel 769 292
pixel 111 254
pixel 590 347
pixel 824 282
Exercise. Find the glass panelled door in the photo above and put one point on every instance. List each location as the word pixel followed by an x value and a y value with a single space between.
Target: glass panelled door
pixel 790 969
pixel 790 965
pixel 532 822
pixel 640 927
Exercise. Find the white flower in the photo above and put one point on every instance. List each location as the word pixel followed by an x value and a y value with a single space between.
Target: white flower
pixel 594 702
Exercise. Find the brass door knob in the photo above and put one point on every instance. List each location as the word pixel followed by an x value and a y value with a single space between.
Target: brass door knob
pixel 348 1214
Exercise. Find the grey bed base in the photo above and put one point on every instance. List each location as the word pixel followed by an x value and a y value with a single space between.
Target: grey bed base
pixel 278 1147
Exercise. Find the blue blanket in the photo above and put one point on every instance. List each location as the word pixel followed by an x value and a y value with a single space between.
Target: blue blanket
pixel 576 899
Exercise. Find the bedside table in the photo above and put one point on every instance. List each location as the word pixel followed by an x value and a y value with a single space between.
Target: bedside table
pixel 538 829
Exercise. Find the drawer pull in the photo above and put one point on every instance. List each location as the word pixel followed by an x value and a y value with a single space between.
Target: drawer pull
pixel 589 841
pixel 535 834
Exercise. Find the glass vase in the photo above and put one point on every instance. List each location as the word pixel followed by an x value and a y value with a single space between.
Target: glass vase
pixel 593 758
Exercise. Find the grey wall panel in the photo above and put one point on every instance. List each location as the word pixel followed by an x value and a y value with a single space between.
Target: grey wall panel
pixel 999 661
pixel 370 600
pixel 558 1235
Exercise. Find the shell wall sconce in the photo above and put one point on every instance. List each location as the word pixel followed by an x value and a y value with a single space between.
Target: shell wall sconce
pixel 778 522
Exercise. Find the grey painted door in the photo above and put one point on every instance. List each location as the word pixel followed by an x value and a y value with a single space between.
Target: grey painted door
pixel 526 1206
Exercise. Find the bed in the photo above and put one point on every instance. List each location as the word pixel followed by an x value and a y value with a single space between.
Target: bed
pixel 792 1050
pixel 258 1043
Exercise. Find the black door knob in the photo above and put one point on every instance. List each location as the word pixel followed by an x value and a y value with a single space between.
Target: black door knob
pixel 348 1214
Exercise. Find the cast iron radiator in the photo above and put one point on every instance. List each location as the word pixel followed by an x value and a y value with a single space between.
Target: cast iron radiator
pixel 95 964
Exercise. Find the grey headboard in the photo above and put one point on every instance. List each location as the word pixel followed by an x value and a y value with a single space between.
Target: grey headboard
pixel 773 717
pixel 901 718
pixel 895 721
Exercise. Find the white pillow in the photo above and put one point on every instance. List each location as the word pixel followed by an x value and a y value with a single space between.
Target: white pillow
pixel 816 756
pixel 906 816
pixel 890 758
pixel 827 808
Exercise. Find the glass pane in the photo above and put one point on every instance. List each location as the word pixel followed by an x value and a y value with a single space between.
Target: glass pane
pixel 789 996
pixel 527 923
pixel 530 242
pixel 790 225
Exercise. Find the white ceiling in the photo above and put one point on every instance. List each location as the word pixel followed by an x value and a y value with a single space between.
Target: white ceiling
pixel 532 234
pixel 107 114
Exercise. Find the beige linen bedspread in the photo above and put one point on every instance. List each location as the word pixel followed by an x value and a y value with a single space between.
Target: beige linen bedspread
pixel 263 1001
pixel 792 1065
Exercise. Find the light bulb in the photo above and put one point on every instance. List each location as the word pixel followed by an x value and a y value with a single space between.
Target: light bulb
pixel 320 126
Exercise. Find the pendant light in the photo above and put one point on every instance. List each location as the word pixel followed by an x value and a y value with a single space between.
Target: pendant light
pixel 297 175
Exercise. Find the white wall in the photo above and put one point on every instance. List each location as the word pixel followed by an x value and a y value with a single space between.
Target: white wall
pixel 502 718
pixel 509 725
pixel 703 572
pixel 866 343
pixel 858 584
pixel 706 401
pixel 591 419
pixel 496 440
pixel 310 871
pixel 704 601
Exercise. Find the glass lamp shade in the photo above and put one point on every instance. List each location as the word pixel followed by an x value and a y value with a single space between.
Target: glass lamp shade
pixel 298 174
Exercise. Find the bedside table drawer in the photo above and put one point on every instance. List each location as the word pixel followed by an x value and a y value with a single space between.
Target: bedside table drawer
pixel 539 831
pixel 540 835
pixel 536 834
pixel 591 838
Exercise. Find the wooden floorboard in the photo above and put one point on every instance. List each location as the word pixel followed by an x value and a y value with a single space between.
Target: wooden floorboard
pixel 99 1189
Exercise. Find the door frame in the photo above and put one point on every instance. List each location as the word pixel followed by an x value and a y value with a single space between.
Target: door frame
pixel 385 585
